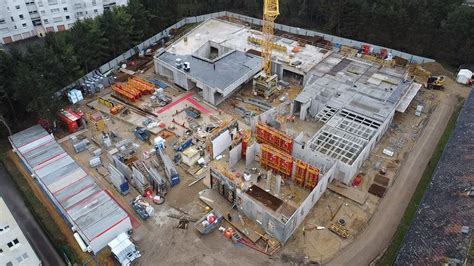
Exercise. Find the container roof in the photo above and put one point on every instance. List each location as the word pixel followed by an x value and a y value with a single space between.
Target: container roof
pixel 76 194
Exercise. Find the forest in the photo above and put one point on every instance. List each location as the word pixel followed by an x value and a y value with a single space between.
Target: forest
pixel 439 29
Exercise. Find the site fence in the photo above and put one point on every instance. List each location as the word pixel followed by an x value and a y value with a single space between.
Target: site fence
pixel 337 41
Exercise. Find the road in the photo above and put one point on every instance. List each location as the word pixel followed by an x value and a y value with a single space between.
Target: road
pixel 32 230
pixel 371 242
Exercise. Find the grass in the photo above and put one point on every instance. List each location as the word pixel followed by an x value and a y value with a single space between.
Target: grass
pixel 391 253
pixel 39 212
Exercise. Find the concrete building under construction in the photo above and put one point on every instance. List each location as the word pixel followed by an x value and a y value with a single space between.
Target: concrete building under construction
pixel 348 101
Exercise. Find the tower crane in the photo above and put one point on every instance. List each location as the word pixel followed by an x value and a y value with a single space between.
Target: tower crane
pixel 265 83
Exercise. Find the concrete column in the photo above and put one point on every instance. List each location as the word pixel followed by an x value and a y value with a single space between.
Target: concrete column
pixel 269 179
pixel 277 184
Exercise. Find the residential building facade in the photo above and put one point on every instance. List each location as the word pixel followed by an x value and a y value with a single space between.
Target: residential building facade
pixel 22 19
pixel 14 247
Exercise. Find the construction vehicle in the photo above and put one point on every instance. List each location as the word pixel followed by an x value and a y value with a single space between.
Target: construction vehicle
pixel 142 134
pixel 435 83
pixel 432 82
pixel 264 83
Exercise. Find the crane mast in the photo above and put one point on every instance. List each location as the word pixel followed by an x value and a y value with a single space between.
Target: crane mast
pixel 271 11
pixel 265 83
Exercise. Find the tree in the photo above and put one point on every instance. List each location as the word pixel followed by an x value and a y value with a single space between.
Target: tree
pixel 89 44
pixel 140 20
pixel 118 30
pixel 37 82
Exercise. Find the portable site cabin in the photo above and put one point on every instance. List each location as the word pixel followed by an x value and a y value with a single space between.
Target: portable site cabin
pixel 89 210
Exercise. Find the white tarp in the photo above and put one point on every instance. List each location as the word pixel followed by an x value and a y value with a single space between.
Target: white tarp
pixel 464 76
pixel 221 143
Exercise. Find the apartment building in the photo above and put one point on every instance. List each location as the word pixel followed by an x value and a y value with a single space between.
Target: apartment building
pixel 14 247
pixel 22 19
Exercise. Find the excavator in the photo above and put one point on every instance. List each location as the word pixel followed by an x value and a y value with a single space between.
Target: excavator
pixel 432 82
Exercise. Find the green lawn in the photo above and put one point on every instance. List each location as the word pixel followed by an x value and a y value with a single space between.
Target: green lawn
pixel 391 253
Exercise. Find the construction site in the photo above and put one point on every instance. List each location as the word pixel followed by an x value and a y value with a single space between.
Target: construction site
pixel 232 143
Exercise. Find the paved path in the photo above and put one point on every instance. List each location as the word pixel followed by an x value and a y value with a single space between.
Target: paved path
pixel 371 242
pixel 33 232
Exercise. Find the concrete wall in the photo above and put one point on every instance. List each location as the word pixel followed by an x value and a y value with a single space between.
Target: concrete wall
pixel 283 229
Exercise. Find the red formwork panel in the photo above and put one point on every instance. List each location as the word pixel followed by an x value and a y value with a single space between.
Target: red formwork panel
pixel 300 172
pixel 312 177
pixel 268 135
pixel 276 160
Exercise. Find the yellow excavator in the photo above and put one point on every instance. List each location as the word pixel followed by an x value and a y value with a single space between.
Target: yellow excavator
pixel 432 82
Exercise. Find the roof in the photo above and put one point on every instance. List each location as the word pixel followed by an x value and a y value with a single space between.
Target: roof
pixel 435 233
pixel 228 69
pixel 91 210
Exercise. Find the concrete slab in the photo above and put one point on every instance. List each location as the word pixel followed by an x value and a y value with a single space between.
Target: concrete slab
pixel 350 193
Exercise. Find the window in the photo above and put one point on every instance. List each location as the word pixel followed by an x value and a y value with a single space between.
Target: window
pixel 65 8
pixel 68 17
pixel 1 251
pixel 40 4
pixel 10 244
pixel 12 19
pixel 94 2
pixel 9 264
pixel 43 12
pixel 2 21
pixel 24 25
pixel 15 27
pixel 19 259
pixel 55 10
pixel 95 11
pixel 57 19
pixel 52 2
pixel 25 255
pixel 17 7
pixel 15 241
pixel 21 16
pixel 46 21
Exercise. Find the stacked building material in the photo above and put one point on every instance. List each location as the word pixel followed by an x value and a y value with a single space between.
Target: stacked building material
pixel 118 180
pixel 134 88
pixel 144 86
